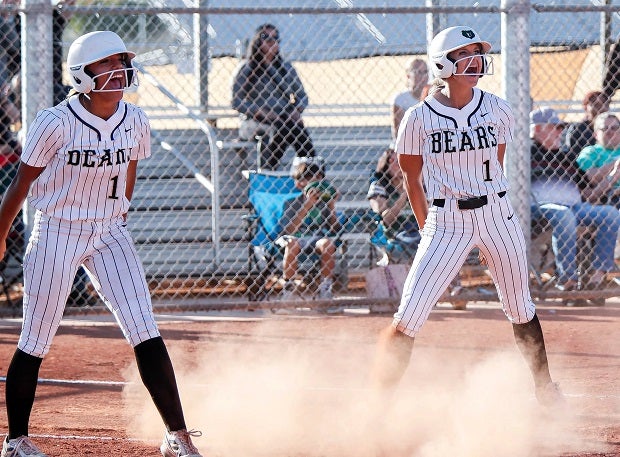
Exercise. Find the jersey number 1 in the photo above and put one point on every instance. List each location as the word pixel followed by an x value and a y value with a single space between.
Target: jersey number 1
pixel 113 195
pixel 487 170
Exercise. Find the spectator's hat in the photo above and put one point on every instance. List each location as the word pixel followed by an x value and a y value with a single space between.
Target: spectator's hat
pixel 544 115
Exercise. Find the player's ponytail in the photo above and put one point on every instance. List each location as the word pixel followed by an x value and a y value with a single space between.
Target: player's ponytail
pixel 436 85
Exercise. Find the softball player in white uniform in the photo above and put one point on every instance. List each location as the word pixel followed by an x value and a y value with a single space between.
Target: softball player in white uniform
pixel 451 148
pixel 79 163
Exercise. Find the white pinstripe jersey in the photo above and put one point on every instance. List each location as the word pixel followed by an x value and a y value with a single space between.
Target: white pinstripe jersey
pixel 85 159
pixel 459 146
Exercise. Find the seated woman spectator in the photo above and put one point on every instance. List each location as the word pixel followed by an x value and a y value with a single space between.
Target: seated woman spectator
pixel 581 134
pixel 307 225
pixel 417 80
pixel 601 161
pixel 270 98
pixel 388 199
pixel 557 199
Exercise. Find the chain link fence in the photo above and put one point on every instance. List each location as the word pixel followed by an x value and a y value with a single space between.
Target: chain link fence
pixel 191 214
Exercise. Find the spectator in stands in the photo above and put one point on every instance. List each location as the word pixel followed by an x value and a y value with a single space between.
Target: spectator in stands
pixel 10 151
pixel 601 161
pixel 426 91
pixel 557 199
pixel 581 134
pixel 270 98
pixel 417 80
pixel 307 225
pixel 10 115
pixel 10 50
pixel 388 199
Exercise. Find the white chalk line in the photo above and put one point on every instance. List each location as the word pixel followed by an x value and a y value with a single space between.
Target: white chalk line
pixel 94 382
pixel 89 438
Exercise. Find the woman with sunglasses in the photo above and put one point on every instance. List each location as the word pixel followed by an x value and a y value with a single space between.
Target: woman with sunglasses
pixel 270 98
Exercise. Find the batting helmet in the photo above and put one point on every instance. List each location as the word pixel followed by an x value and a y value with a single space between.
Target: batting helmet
pixel 90 48
pixel 451 39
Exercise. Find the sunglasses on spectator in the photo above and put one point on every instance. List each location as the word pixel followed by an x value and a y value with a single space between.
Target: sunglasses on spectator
pixel 610 127
pixel 265 36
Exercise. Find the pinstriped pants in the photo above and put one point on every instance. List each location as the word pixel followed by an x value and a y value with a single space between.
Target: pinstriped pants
pixel 55 250
pixel 448 237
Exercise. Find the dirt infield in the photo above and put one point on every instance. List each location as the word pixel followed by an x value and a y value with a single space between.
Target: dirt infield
pixel 296 386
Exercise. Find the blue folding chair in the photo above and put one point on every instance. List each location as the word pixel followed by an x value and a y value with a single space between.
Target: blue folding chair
pixel 268 194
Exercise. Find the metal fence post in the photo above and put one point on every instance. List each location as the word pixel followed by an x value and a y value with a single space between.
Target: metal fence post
pixel 202 56
pixel 36 36
pixel 36 72
pixel 516 87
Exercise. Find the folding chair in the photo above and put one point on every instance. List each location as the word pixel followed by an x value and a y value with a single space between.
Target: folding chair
pixel 268 194
pixel 542 259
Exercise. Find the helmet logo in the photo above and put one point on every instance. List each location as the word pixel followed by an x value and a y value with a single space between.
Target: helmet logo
pixel 468 34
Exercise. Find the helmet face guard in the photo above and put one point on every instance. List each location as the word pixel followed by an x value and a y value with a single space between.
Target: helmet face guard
pixel 487 65
pixel 130 80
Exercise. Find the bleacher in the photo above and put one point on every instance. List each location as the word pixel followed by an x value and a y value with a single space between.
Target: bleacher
pixel 172 213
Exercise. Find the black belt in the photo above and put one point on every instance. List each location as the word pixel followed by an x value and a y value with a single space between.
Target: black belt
pixel 468 203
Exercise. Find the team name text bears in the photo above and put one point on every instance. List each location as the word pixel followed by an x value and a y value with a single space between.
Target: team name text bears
pixel 89 158
pixel 447 141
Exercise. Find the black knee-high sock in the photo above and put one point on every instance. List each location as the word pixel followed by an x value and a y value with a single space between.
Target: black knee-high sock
pixel 21 386
pixel 158 376
pixel 531 343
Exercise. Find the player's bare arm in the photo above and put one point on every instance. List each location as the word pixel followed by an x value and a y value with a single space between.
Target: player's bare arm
pixel 132 171
pixel 14 199
pixel 501 153
pixel 333 217
pixel 412 174
pixel 597 174
pixel 312 197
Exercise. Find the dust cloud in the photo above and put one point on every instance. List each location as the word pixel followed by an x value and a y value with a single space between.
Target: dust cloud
pixel 268 394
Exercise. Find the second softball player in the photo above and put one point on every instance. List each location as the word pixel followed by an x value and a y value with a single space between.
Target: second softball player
pixel 79 164
pixel 451 147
